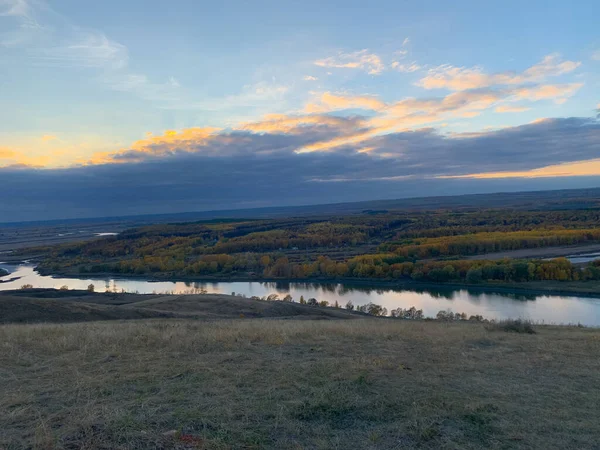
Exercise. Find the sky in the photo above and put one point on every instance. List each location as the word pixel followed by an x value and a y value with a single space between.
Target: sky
pixel 117 108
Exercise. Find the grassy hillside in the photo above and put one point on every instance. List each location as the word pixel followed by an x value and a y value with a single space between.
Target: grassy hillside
pixel 48 305
pixel 273 384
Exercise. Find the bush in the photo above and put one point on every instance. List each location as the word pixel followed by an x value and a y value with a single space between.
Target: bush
pixel 514 326
pixel 91 288
pixel 411 314
pixel 373 309
pixel 26 286
pixel 474 275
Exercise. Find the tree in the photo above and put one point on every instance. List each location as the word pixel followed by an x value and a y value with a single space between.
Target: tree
pixel 350 305
pixel 64 288
pixel 474 275
pixel 411 314
pixel 288 298
pixel 373 309
pixel 312 302
pixel 302 301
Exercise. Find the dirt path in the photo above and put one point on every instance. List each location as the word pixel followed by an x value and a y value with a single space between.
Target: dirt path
pixel 547 252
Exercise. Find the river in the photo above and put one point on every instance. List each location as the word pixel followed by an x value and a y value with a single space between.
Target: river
pixel 539 308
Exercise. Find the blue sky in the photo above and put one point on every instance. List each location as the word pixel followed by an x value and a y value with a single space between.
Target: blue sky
pixel 128 84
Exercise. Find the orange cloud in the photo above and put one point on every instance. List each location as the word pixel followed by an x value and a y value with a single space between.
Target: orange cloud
pixel 548 91
pixel 406 68
pixel 282 123
pixel 362 59
pixel 15 158
pixel 403 115
pixel 6 153
pixel 186 140
pixel 462 78
pixel 511 109
pixel 49 137
pixel 573 169
pixel 332 102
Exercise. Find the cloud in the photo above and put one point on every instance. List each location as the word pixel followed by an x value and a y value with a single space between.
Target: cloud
pixel 40 36
pixel 6 153
pixel 230 169
pixel 88 49
pixel 461 78
pixel 362 59
pixel 559 92
pixel 511 109
pixel 404 114
pixel 331 102
pixel 187 140
pixel 596 55
pixel 309 78
pixel 281 123
pixel 406 68
pixel 580 168
pixel 49 138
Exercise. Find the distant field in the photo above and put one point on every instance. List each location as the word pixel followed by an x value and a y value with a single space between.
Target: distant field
pixel 16 238
pixel 277 384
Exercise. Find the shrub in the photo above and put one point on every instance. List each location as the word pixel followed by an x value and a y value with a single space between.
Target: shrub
pixel 445 316
pixel 64 288
pixel 26 286
pixel 411 314
pixel 91 288
pixel 373 309
pixel 514 326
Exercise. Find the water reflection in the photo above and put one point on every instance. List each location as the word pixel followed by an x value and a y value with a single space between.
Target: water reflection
pixel 498 305
pixel 584 258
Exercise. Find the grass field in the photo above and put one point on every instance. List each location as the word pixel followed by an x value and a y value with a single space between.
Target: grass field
pixel 279 384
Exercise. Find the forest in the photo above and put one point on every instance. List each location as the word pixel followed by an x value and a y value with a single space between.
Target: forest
pixel 432 246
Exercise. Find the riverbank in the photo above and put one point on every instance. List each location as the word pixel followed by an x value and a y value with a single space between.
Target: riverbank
pixel 274 384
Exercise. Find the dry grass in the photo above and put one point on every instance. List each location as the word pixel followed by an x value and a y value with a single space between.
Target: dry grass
pixel 297 384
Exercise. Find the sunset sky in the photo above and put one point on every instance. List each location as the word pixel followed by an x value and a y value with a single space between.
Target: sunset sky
pixel 112 108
